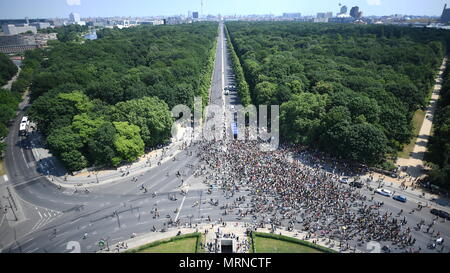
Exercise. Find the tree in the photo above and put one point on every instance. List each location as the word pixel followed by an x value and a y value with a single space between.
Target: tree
pixel 128 143
pixel 300 117
pixel 64 140
pixel 7 69
pixel 74 160
pixel 85 126
pixel 265 93
pixel 364 143
pixel 101 145
pixel 151 115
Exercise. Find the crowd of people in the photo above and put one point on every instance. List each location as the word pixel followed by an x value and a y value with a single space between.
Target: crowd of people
pixel 302 194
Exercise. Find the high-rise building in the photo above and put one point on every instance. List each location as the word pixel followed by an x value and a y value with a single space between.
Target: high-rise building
pixel 445 18
pixel 195 15
pixel 74 17
pixel 355 13
pixel 343 10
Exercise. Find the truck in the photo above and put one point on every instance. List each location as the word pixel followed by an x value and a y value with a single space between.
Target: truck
pixel 24 125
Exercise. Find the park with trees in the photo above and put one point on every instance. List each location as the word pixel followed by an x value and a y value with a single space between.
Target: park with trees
pixel 105 102
pixel 439 148
pixel 9 99
pixel 348 90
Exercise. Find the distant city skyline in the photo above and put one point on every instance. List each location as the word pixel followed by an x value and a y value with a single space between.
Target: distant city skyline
pixel 17 9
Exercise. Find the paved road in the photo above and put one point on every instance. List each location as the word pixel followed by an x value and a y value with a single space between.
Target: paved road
pixel 112 211
pixel 56 220
pixel 415 163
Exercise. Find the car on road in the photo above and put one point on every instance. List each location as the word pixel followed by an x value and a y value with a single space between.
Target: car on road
pixel 399 198
pixel 355 184
pixel 384 192
pixel 343 180
pixel 440 213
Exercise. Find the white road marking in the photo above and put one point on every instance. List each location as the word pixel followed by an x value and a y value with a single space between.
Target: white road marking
pixel 5 177
pixel 181 206
pixel 23 155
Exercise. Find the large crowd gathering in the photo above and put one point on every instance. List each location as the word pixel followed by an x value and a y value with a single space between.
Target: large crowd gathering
pixel 301 194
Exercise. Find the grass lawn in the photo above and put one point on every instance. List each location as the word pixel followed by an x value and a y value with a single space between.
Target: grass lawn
pixel 418 119
pixel 268 245
pixel 2 168
pixel 178 246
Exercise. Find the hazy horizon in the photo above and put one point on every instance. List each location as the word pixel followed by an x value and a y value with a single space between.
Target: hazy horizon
pixel 18 9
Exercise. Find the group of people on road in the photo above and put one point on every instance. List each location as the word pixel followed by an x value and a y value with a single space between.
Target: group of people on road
pixel 303 193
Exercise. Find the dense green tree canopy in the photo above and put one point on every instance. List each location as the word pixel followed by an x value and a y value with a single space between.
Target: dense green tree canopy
pixel 439 149
pixel 359 86
pixel 112 97
pixel 7 69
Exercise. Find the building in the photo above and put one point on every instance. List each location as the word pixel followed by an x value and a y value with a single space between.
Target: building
pixel 344 10
pixel 40 25
pixel 355 13
pixel 153 22
pixel 322 15
pixel 43 38
pixel 14 44
pixel 195 15
pixel 17 29
pixel 445 18
pixel 342 18
pixel 74 18
pixel 296 15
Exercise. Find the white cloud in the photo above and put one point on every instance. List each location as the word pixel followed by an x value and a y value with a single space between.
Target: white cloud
pixel 73 2
pixel 374 2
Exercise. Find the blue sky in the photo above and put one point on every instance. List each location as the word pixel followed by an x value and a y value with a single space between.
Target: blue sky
pixel 90 8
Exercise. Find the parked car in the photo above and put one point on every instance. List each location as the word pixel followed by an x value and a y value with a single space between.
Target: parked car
pixel 356 184
pixel 440 213
pixel 384 192
pixel 399 198
pixel 434 212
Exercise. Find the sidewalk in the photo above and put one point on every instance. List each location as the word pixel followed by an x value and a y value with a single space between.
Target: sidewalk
pixel 415 163
pixel 440 202
pixel 236 228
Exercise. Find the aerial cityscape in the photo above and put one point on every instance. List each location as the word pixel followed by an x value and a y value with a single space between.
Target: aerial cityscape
pixel 297 128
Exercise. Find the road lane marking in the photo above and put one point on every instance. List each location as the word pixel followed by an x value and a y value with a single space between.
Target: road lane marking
pixel 5 177
pixel 181 206
pixel 23 155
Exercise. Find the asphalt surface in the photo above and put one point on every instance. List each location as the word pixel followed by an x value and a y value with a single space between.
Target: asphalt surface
pixel 57 220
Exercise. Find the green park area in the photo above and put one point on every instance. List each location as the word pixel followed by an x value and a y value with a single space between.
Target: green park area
pixel 272 243
pixel 188 243
pixel 417 122
pixel 2 169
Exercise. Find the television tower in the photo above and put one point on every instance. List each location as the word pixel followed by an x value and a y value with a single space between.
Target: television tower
pixel 201 4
